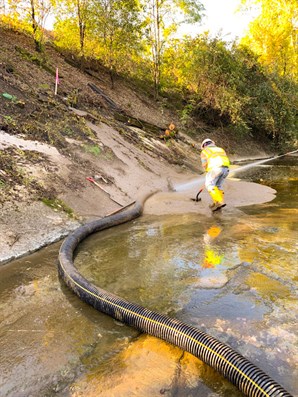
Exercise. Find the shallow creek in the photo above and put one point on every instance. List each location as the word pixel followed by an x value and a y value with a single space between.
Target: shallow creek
pixel 233 275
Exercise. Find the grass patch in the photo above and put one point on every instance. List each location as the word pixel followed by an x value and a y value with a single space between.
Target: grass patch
pixel 93 149
pixel 58 205
pixel 36 59
pixel 9 121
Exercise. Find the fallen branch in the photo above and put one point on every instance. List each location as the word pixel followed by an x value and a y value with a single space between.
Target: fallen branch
pixel 109 101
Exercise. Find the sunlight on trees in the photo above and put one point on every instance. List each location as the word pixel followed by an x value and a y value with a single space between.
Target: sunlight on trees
pixel 248 88
pixel 107 30
pixel 228 87
pixel 72 26
pixel 117 29
pixel 29 15
pixel 161 17
pixel 273 35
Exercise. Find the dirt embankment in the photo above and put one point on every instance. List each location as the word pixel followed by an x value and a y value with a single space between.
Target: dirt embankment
pixel 50 144
pixel 123 173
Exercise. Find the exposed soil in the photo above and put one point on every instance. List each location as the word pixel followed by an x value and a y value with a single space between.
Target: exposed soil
pixel 50 144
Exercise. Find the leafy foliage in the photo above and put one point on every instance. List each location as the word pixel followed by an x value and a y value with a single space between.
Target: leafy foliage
pixel 160 25
pixel 107 30
pixel 229 87
pixel 31 15
pixel 273 35
pixel 249 88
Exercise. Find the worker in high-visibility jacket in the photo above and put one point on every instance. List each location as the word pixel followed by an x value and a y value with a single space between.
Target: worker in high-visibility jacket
pixel 216 163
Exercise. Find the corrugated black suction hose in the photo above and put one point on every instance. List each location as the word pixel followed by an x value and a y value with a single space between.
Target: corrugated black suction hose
pixel 246 376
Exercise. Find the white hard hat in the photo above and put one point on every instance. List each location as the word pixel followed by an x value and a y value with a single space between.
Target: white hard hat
pixel 206 142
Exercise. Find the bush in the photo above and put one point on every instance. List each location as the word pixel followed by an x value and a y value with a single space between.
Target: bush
pixel 226 86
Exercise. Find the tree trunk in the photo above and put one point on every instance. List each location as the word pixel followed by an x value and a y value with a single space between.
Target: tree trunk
pixel 82 31
pixel 37 42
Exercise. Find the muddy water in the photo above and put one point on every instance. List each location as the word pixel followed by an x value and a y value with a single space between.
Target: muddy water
pixel 233 275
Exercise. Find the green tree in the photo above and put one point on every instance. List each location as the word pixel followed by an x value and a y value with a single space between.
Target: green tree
pixel 227 87
pixel 107 30
pixel 34 13
pixel 161 23
pixel 273 35
pixel 117 30
pixel 73 18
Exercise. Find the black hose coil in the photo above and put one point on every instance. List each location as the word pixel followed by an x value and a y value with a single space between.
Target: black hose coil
pixel 249 379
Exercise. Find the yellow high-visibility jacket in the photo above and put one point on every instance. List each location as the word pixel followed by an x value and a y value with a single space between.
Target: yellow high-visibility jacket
pixel 213 156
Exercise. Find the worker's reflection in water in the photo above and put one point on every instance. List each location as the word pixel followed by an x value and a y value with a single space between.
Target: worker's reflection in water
pixel 212 257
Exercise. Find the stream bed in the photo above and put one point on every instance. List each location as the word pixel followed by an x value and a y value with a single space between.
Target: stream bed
pixel 233 275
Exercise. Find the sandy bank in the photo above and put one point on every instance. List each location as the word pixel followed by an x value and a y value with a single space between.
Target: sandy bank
pixel 237 194
pixel 31 227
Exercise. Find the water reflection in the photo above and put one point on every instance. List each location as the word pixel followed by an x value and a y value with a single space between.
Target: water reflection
pixel 212 256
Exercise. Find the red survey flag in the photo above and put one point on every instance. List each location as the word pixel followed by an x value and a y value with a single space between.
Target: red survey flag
pixel 57 81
